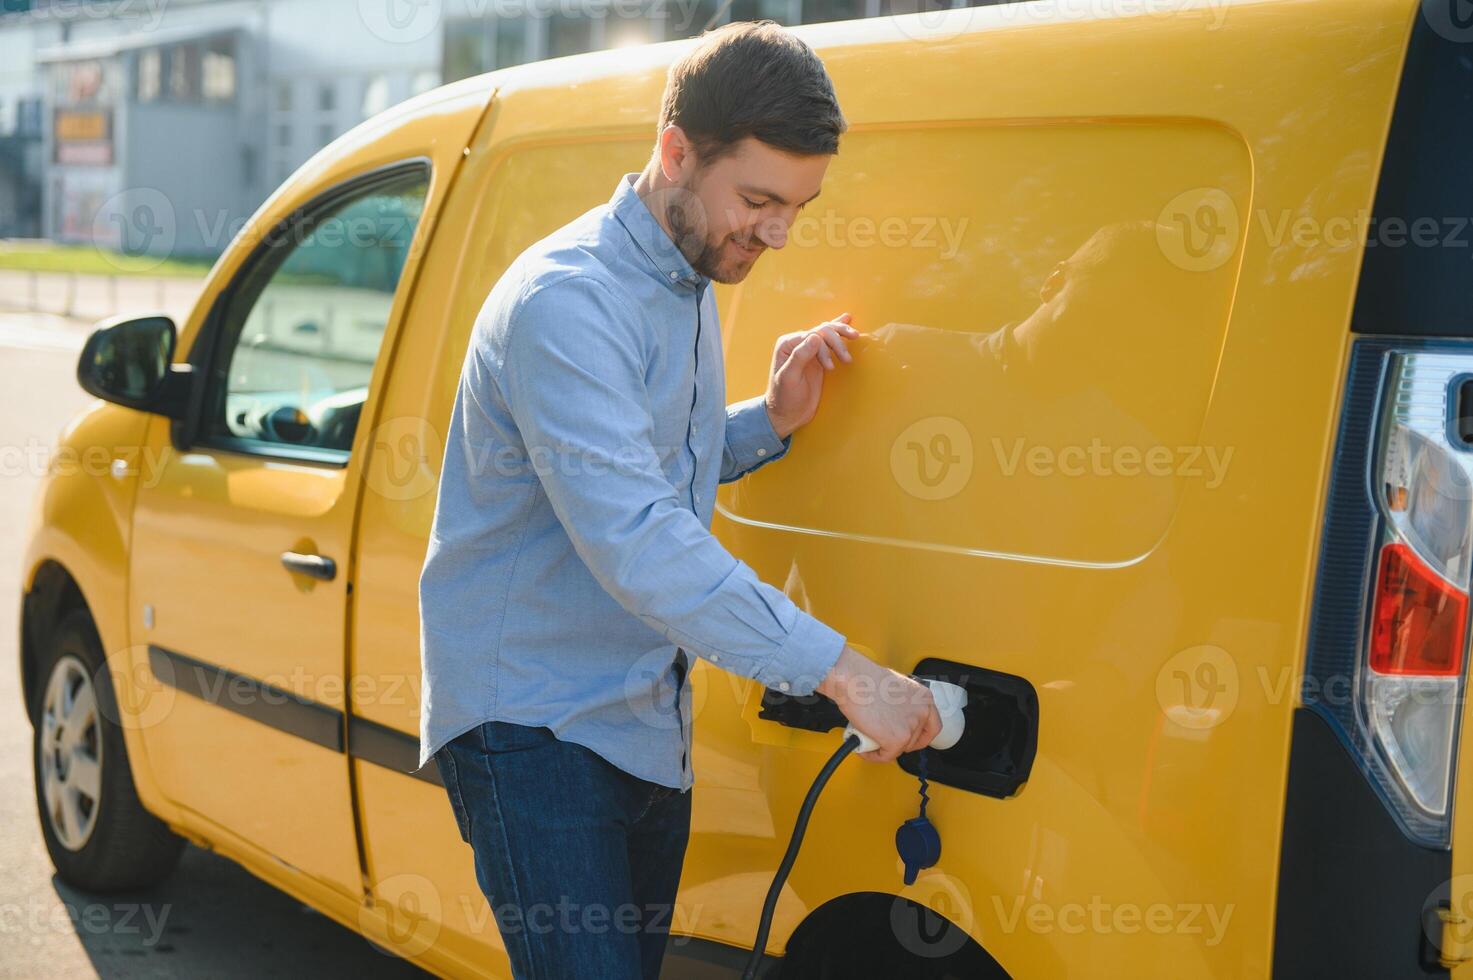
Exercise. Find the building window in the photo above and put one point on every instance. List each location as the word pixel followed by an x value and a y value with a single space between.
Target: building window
pixel 150 73
pixel 476 45
pixel 569 33
pixel 28 117
pixel 761 10
pixel 248 164
pixel 888 7
pixel 822 11
pixel 511 42
pixel 84 83
pixel 283 134
pixel 375 96
pixel 284 95
pixel 218 71
pixel 183 73
pixel 189 72
pixel 467 48
pixel 325 133
pixel 327 97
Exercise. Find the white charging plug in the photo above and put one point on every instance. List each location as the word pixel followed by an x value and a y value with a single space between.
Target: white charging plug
pixel 950 700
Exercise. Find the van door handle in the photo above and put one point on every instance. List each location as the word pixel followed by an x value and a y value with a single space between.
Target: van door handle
pixel 314 566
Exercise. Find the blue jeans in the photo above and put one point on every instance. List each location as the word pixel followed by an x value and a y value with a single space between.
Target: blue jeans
pixel 579 859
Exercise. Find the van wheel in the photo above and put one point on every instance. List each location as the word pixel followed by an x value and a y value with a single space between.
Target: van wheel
pixel 98 834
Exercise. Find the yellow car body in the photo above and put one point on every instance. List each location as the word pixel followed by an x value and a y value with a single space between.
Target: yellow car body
pixel 1123 505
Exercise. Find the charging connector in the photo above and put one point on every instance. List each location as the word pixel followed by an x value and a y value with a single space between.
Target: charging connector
pixel 951 703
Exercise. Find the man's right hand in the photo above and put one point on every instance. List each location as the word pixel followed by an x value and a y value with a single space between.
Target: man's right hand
pixel 895 710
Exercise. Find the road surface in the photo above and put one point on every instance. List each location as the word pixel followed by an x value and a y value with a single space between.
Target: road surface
pixel 211 918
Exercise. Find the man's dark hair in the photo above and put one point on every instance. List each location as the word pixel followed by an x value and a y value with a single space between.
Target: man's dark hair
pixel 752 79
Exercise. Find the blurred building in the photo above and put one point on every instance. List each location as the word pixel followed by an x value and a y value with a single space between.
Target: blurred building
pixel 21 109
pixel 150 147
pixel 158 126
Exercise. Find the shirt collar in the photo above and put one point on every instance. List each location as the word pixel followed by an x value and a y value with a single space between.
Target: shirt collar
pixel 666 261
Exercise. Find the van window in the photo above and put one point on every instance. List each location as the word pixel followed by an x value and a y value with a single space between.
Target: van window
pixel 303 325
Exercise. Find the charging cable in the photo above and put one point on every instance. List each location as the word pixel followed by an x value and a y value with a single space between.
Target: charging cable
pixel 850 743
pixel 917 840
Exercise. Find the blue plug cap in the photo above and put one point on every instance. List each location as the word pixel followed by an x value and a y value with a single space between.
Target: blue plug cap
pixel 919 845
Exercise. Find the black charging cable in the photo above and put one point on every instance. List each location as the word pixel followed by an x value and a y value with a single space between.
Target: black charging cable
pixel 794 843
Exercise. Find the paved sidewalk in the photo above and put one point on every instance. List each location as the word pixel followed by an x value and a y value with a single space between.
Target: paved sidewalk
pixel 42 331
pixel 91 297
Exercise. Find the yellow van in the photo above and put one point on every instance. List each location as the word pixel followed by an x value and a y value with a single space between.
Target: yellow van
pixel 1159 444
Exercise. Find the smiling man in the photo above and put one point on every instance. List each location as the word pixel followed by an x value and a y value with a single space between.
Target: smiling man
pixel 571 571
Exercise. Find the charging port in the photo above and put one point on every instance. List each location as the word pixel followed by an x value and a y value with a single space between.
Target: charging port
pixel 995 754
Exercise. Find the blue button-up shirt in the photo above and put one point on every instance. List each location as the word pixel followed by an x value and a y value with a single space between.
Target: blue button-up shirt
pixel 571 567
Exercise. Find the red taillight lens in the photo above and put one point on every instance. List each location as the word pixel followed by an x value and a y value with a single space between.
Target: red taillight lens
pixel 1419 619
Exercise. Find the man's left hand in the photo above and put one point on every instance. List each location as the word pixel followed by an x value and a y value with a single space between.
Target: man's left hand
pixel 799 362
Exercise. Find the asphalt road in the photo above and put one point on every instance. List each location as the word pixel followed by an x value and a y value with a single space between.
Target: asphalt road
pixel 211 918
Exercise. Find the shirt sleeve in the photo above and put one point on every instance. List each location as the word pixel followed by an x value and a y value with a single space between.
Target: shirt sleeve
pixel 751 441
pixel 573 383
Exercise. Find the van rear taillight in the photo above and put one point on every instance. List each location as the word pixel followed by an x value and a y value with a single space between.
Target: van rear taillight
pixel 1419 619
pixel 1389 642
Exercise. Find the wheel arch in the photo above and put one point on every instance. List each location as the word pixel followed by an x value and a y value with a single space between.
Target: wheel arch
pixel 51 592
pixel 879 934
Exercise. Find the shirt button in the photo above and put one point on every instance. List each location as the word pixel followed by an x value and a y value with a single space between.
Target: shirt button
pixel 715 659
pixel 674 275
pixel 782 686
pixel 761 452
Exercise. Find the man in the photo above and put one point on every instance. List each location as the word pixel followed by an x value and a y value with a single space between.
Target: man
pixel 571 570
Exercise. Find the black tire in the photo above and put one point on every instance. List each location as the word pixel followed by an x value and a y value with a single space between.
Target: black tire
pixel 126 847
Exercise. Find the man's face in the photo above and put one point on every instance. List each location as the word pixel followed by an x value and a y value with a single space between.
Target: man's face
pixel 740 206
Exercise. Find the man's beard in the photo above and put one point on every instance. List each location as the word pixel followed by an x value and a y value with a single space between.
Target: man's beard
pixel 689 232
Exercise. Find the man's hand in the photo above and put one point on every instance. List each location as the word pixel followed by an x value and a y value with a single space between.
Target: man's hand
pixel 897 711
pixel 798 364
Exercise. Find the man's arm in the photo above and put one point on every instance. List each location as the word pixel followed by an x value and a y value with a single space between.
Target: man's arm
pixel 573 382
pixel 751 441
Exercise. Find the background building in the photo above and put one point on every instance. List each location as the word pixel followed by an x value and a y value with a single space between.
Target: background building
pixel 158 126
